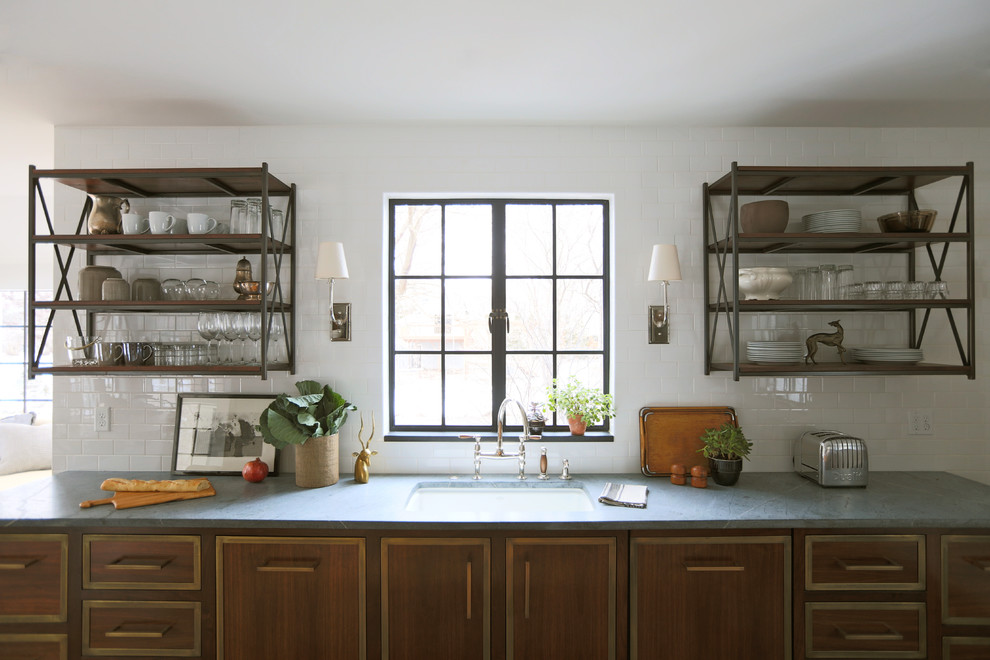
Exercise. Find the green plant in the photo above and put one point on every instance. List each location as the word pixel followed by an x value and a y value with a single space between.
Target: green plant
pixel 727 442
pixel 292 420
pixel 577 401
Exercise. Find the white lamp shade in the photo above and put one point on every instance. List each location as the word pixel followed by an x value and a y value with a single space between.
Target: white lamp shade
pixel 330 262
pixel 664 265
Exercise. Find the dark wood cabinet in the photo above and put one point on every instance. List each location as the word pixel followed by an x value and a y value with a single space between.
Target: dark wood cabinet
pixel 698 598
pixel 436 598
pixel 30 646
pixel 965 648
pixel 285 597
pixel 141 628
pixel 561 598
pixel 966 579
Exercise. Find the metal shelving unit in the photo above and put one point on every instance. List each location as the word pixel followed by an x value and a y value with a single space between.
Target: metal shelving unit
pixel 723 243
pixel 157 183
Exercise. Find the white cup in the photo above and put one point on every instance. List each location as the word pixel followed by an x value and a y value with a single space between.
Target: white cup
pixel 160 222
pixel 133 223
pixel 200 223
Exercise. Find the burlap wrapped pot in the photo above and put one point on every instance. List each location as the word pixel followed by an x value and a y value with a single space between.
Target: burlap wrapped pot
pixel 317 462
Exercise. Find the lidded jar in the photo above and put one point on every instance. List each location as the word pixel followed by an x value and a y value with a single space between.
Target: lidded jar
pixel 537 420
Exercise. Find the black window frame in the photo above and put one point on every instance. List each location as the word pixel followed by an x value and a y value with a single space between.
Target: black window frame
pixel 554 432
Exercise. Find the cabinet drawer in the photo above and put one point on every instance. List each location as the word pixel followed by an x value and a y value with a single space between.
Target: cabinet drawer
pixel 33 647
pixel 882 562
pixel 865 630
pixel 965 648
pixel 130 561
pixel 33 577
pixel 966 579
pixel 141 628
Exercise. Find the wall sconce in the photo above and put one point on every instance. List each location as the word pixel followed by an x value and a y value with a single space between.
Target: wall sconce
pixel 330 265
pixel 664 268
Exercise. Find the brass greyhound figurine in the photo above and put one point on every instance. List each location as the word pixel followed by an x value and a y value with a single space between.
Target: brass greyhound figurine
pixel 828 339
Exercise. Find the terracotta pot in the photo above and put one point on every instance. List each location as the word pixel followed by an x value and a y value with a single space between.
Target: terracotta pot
pixel 317 462
pixel 577 425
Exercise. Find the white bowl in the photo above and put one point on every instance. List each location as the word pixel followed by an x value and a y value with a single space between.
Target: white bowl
pixel 763 283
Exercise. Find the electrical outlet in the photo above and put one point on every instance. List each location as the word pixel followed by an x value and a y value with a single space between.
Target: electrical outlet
pixel 101 418
pixel 920 422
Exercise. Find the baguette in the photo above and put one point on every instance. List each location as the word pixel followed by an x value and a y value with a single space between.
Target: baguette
pixel 167 486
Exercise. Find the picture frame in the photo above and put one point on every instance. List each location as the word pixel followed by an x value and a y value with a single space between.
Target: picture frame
pixel 216 434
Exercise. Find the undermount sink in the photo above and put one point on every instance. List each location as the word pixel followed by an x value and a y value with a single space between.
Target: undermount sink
pixel 505 498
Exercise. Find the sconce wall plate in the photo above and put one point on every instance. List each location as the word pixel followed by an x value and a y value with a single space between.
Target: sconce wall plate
pixel 340 325
pixel 659 334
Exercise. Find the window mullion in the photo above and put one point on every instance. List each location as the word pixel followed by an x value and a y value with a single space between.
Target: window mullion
pixel 498 302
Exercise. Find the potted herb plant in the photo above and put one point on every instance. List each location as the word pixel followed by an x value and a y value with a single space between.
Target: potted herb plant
pixel 725 447
pixel 309 421
pixel 583 406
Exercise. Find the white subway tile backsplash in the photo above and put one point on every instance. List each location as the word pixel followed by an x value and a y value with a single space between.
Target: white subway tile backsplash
pixel 655 175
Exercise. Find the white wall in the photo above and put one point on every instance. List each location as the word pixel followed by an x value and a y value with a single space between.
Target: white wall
pixel 23 144
pixel 343 174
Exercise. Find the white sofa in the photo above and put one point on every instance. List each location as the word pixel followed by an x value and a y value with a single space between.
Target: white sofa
pixel 25 453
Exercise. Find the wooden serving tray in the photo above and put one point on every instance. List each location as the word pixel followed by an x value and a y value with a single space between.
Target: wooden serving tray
pixel 669 436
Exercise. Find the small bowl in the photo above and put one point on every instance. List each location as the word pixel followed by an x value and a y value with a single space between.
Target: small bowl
pixel 765 217
pixel 908 221
pixel 251 289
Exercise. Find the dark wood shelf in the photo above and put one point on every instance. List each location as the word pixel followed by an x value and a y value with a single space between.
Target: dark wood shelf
pixel 154 370
pixel 165 306
pixel 800 306
pixel 851 369
pixel 148 244
pixel 845 242
pixel 191 182
pixel 853 181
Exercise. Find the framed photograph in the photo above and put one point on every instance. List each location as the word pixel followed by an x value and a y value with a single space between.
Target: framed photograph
pixel 217 434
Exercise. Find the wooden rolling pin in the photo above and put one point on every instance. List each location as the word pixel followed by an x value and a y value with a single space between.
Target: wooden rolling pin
pixel 128 500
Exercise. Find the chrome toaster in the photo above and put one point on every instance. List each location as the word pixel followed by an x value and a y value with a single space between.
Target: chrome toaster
pixel 831 458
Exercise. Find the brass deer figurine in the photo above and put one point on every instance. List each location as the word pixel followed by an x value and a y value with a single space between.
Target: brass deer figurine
pixel 826 339
pixel 363 463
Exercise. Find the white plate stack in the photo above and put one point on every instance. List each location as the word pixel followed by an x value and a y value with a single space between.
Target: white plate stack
pixel 832 222
pixel 888 355
pixel 775 352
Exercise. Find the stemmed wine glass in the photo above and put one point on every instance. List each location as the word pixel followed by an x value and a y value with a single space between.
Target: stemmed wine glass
pixel 229 331
pixel 241 322
pixel 254 334
pixel 274 338
pixel 208 325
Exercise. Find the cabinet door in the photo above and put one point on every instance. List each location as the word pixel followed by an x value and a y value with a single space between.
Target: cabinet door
pixel 33 577
pixel 560 598
pixel 680 586
pixel 291 598
pixel 966 579
pixel 436 598
pixel 965 648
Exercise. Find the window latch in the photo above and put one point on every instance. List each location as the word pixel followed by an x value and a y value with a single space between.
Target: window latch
pixel 496 315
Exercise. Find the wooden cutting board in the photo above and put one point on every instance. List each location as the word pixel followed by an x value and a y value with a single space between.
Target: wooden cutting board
pixel 669 436
pixel 124 500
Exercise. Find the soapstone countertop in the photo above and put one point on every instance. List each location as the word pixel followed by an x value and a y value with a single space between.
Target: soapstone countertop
pixel 760 500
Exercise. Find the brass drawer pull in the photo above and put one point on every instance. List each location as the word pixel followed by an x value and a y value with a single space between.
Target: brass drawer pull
pixel 877 564
pixel 139 563
pixel 981 563
pixel 142 631
pixel 890 636
pixel 17 563
pixel 289 566
pixel 711 566
pixel 469 590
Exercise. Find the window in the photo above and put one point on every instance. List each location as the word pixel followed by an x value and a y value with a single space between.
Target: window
pixel 492 298
pixel 18 394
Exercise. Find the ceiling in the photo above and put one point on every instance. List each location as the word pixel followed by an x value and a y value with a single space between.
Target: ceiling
pixel 666 62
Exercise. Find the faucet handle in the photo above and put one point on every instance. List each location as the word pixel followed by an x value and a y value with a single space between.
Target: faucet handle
pixel 565 474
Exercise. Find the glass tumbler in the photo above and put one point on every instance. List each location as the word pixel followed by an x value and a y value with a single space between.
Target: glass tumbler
pixel 829 282
pixel 914 290
pixel 938 290
pixel 278 224
pixel 873 290
pixel 845 280
pixel 813 284
pixel 893 290
pixel 253 215
pixel 238 216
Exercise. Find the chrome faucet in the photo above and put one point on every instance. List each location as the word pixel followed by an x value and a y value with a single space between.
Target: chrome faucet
pixel 499 452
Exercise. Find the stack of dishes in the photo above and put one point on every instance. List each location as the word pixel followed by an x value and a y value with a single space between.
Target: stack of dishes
pixel 830 222
pixel 886 355
pixel 774 352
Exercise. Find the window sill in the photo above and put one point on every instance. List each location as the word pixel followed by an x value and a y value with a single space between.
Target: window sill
pixel 508 438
